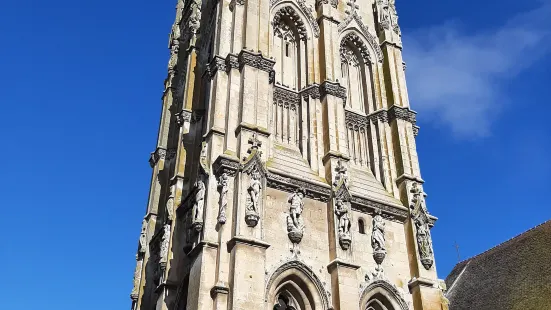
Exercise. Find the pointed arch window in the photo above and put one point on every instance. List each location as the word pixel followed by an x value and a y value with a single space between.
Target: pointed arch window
pixel 289 48
pixel 357 74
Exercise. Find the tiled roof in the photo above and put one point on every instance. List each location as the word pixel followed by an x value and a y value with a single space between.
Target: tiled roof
pixel 513 275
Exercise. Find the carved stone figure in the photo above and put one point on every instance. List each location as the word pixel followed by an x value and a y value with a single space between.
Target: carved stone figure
pixel 342 212
pixel 223 186
pixel 137 279
pixel 170 205
pixel 378 238
pixel 342 175
pixel 420 217
pixel 383 14
pixel 253 191
pixel 173 61
pixel 295 224
pixel 394 17
pixel 143 238
pixel 164 245
pixel 198 205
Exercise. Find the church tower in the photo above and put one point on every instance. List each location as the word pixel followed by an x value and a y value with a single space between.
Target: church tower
pixel 285 174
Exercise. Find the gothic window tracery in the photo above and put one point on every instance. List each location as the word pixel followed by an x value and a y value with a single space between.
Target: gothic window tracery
pixel 289 48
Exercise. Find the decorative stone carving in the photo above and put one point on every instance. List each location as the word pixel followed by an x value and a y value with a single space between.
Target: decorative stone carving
pixel 253 190
pixel 286 97
pixel 164 245
pixel 378 240
pixel 341 177
pixel 295 224
pixel 255 60
pixel 223 187
pixel 311 90
pixel 421 219
pixel 394 17
pixel 173 61
pixel 254 167
pixel 143 238
pixel 170 205
pixel 305 270
pixel 198 205
pixel 137 279
pixel 288 184
pixel 391 213
pixel 383 14
pixel 372 40
pixel 342 212
pixel 347 54
pixel 306 11
pixel 216 64
pixel 334 3
pixel 393 292
pixel 154 158
pixel 405 114
pixel 282 18
pixel 334 89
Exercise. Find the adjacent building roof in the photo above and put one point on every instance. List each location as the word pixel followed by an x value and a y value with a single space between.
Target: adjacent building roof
pixel 513 275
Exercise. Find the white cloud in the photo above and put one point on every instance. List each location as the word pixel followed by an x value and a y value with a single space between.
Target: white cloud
pixel 459 79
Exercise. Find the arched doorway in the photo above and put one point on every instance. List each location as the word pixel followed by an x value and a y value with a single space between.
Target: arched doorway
pixel 293 286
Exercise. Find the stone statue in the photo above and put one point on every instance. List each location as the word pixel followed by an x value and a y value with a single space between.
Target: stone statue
pixel 383 13
pixel 223 186
pixel 341 210
pixel 254 190
pixel 378 233
pixel 295 225
pixel 394 17
pixel 170 205
pixel 143 238
pixel 342 175
pixel 164 244
pixel 198 205
pixel 253 195
pixel 296 208
pixel 137 279
pixel 420 217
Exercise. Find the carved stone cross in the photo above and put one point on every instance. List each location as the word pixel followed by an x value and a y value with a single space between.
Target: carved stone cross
pixel 254 142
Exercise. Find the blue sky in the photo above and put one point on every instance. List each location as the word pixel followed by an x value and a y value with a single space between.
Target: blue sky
pixel 80 94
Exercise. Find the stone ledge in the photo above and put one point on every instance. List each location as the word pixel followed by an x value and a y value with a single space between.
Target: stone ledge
pixel 285 182
pixel 199 248
pixel 219 288
pixel 246 126
pixel 421 282
pixel 340 263
pixel 168 285
pixel 390 212
pixel 248 241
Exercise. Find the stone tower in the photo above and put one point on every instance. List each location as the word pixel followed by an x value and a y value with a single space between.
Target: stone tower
pixel 285 174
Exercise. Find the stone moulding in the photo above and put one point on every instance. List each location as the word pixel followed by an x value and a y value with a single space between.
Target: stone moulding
pixel 304 270
pixel 232 61
pixel 255 60
pixel 371 39
pixel 305 10
pixel 334 89
pixel 389 212
pixel 226 164
pixel 405 114
pixel 287 183
pixel 286 97
pixel 386 286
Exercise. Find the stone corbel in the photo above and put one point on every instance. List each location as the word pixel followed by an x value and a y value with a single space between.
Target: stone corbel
pixel 255 60
pixel 334 89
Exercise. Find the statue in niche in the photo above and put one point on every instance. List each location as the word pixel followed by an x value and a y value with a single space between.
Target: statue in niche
pixel 342 212
pixel 378 238
pixel 295 224
pixel 143 238
pixel 198 205
pixel 223 186
pixel 420 217
pixel 253 191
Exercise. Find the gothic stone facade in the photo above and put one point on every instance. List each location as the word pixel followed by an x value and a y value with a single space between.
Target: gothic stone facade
pixel 286 173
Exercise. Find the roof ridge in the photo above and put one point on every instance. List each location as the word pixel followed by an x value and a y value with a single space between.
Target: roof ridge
pixel 504 242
